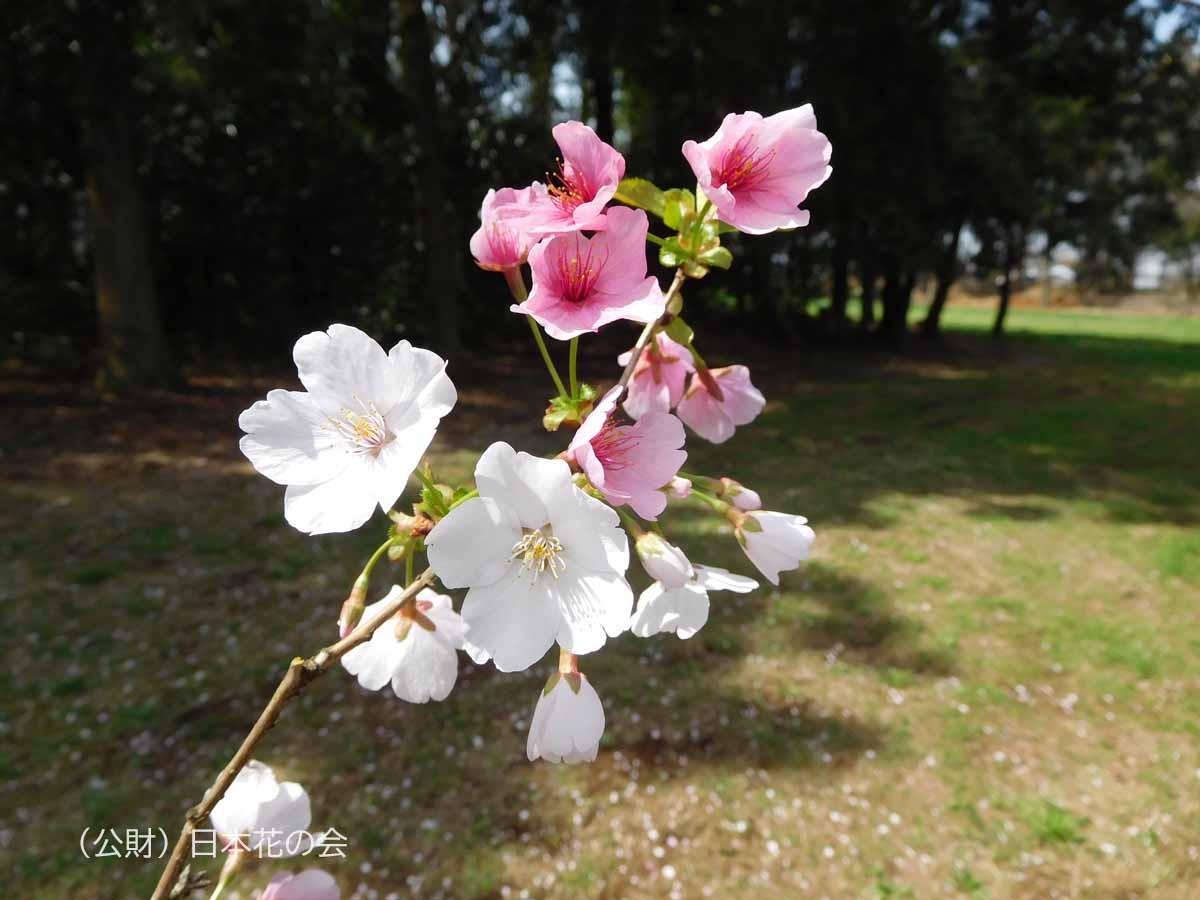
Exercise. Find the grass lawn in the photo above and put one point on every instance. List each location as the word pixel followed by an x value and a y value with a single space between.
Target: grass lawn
pixel 985 683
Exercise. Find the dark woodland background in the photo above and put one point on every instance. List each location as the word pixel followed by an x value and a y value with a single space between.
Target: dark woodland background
pixel 196 179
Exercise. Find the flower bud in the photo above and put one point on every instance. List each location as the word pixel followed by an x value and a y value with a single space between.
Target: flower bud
pixel 679 488
pixel 739 495
pixel 352 609
pixel 664 562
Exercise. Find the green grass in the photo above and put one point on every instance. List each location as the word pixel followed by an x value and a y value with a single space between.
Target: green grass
pixel 1071 324
pixel 982 685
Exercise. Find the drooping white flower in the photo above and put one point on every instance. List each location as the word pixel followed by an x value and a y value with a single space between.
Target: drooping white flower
pixel 417 651
pixel 568 721
pixel 258 810
pixel 350 440
pixel 684 610
pixel 543 561
pixel 311 884
pixel 775 542
pixel 663 561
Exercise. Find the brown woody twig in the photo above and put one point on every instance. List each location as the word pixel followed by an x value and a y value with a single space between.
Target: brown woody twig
pixel 300 672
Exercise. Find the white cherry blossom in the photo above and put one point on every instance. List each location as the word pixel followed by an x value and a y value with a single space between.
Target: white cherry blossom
pixel 684 610
pixel 543 561
pixel 311 884
pixel 663 561
pixel 351 440
pixel 258 810
pixel 775 542
pixel 416 651
pixel 568 721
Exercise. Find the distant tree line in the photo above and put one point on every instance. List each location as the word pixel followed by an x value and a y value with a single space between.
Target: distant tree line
pixel 191 177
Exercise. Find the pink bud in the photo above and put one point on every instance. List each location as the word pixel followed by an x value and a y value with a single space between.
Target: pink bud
pixel 679 488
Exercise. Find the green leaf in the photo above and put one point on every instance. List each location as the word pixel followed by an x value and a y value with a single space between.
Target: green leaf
pixel 718 256
pixel 670 254
pixel 434 501
pixel 565 411
pixel 551 682
pixel 680 331
pixel 641 193
pixel 678 205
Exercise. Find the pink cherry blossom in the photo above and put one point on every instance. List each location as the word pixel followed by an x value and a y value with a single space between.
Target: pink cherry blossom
pixel 658 377
pixel 587 177
pixel 756 171
pixel 581 284
pixel 502 241
pixel 715 405
pixel 629 463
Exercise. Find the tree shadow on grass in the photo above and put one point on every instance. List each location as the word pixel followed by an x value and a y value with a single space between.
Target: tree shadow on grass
pixel 850 618
pixel 1102 421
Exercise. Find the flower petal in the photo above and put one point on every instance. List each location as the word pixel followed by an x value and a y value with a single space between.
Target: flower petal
pixel 288 440
pixel 343 367
pixel 513 620
pixel 590 532
pixel 594 606
pixel 714 578
pixel 341 504
pixel 521 482
pixel 429 671
pixel 473 544
pixel 420 376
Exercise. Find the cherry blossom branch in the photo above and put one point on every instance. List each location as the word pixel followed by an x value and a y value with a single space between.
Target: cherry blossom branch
pixel 299 674
pixel 647 333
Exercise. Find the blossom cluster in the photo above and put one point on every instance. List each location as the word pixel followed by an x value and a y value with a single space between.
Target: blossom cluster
pixel 255 811
pixel 541 546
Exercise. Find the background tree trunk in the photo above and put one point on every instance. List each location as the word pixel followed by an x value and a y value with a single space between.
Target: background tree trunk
pixel 946 273
pixel 840 288
pixel 1012 237
pixel 867 276
pixel 599 66
pixel 437 221
pixel 133 349
pixel 897 295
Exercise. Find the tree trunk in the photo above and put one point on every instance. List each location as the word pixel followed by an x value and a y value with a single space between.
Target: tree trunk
pixel 840 289
pixel 897 295
pixel 542 26
pixel 1010 253
pixel 133 348
pixel 867 276
pixel 599 67
pixel 946 273
pixel 437 228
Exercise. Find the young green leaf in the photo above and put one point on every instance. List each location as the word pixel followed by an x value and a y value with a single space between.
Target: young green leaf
pixel 641 193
